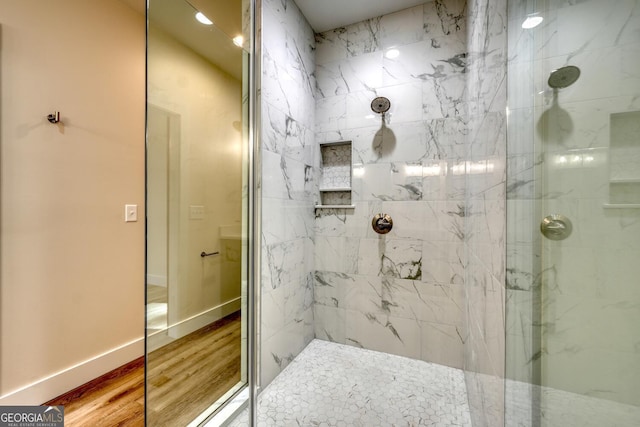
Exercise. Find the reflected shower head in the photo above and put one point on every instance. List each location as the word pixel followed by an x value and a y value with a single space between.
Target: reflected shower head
pixel 380 105
pixel 563 77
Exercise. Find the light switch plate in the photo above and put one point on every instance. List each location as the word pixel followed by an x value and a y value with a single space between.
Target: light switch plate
pixel 196 212
pixel 130 213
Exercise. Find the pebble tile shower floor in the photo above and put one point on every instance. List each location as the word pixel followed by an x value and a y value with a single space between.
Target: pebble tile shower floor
pixel 331 384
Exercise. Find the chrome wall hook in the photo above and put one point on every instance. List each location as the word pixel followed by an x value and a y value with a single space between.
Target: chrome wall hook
pixel 54 117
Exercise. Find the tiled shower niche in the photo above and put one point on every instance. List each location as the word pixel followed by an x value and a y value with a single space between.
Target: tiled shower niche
pixel 335 175
pixel 624 181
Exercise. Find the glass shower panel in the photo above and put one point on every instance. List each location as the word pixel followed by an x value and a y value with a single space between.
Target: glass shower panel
pixel 573 277
pixel 197 209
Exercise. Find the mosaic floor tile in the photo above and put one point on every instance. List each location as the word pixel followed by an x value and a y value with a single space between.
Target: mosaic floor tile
pixel 330 384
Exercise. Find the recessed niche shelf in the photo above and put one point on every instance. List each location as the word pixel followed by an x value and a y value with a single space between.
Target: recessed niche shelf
pixel 621 205
pixel 335 206
pixel 625 181
pixel 335 175
pixel 624 153
pixel 335 189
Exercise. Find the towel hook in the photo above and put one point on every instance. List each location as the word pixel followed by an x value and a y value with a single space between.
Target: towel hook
pixel 54 117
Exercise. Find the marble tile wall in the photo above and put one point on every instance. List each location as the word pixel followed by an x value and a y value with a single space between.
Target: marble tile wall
pixel 288 183
pixel 561 159
pixel 485 212
pixel 400 293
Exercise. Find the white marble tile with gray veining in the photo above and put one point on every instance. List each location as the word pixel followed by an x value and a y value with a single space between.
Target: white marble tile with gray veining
pixel 443 262
pixel 393 335
pixel 425 60
pixel 331 114
pixel 377 143
pixel 330 288
pixel 522 273
pixel 408 219
pixel 390 258
pixel 331 45
pixel 298 299
pixel 444 97
pixel 282 347
pixel 559 407
pixel 272 308
pixel 363 73
pixel 406 100
pixel 350 223
pixel 595 25
pixel 284 135
pixel 363 37
pixel 336 253
pixel 400 298
pixel 445 18
pixel 284 178
pixel 329 323
pixel 401 28
pixel 446 139
pixel 283 264
pixel 331 80
pixel 389 181
pixel 441 343
pixel 445 221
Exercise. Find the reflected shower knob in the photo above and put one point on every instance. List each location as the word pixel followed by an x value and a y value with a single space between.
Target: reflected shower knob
pixel 382 223
pixel 556 227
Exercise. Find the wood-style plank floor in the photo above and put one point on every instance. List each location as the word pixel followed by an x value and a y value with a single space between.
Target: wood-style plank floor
pixel 183 379
pixel 114 399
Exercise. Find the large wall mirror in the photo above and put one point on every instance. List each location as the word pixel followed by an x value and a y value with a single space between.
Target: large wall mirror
pixel 197 157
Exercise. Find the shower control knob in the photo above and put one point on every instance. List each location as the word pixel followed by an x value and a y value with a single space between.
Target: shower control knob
pixel 382 223
pixel 556 227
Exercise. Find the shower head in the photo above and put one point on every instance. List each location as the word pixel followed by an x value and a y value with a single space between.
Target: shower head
pixel 563 77
pixel 380 105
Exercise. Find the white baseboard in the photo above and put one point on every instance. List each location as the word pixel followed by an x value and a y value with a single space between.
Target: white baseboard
pixel 66 380
pixel 201 320
pixel 155 279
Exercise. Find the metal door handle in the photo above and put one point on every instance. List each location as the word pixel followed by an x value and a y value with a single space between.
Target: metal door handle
pixel 204 254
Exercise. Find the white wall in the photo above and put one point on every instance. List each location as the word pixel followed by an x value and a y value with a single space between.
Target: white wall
pixel 72 281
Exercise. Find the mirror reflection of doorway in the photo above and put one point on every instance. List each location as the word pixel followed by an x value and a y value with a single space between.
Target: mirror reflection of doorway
pixel 196 258
pixel 163 192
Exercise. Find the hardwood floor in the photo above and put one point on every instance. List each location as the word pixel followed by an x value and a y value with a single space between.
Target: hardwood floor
pixel 188 375
pixel 114 399
pixel 184 378
pixel 156 294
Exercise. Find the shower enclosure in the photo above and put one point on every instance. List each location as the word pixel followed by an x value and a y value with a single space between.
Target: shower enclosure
pixel 506 160
pixel 573 214
pixel 331 289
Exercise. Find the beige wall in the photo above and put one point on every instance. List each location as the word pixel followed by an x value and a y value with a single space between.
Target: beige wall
pixel 207 102
pixel 72 278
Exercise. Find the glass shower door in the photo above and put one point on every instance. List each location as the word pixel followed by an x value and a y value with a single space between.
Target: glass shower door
pixel 573 273
pixel 197 210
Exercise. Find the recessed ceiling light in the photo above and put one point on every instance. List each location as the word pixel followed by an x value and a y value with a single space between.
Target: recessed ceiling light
pixel 532 22
pixel 203 19
pixel 392 53
pixel 238 40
